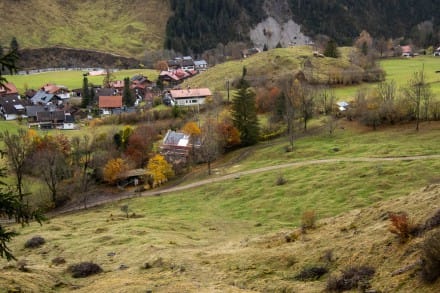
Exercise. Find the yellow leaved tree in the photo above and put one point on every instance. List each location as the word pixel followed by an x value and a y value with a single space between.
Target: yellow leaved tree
pixel 113 169
pixel 159 169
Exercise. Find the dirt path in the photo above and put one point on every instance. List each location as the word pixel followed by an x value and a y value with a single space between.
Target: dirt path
pixel 96 202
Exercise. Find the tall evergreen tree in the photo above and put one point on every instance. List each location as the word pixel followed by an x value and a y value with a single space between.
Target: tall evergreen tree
pixel 85 93
pixel 331 49
pixel 14 45
pixel 244 113
pixel 127 96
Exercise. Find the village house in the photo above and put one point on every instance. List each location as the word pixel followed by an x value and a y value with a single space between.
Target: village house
pixel 189 96
pixel 406 51
pixel 108 105
pixel 201 65
pixel 176 147
pixel 49 117
pixel 11 105
pixel 50 94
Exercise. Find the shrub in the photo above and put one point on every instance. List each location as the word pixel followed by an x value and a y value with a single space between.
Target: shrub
pixel 432 222
pixel 58 260
pixel 431 257
pixel 402 226
pixel 308 220
pixel 351 278
pixel 34 242
pixel 84 269
pixel 311 273
pixel 281 180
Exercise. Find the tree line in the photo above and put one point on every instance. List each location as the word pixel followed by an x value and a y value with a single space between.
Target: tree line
pixel 197 26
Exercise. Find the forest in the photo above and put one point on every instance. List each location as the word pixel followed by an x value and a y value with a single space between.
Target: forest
pixel 199 25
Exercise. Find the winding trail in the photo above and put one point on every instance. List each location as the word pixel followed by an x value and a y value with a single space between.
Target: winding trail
pixel 93 202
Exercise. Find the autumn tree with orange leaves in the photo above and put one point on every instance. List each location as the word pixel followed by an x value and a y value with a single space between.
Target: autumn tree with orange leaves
pixel 113 169
pixel 159 169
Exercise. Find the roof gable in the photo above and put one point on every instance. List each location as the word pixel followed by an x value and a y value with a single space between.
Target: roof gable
pixel 110 102
pixel 8 88
pixel 190 93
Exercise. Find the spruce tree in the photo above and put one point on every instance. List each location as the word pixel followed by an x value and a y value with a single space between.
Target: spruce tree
pixel 14 45
pixel 85 93
pixel 331 49
pixel 127 96
pixel 244 113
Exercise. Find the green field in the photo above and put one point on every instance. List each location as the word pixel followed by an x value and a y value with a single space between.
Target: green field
pixel 71 79
pixel 401 70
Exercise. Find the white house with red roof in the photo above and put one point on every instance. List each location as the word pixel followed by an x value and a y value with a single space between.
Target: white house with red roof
pixel 189 96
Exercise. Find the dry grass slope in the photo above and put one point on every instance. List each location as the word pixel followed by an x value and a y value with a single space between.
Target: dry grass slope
pixel 123 27
pixel 140 253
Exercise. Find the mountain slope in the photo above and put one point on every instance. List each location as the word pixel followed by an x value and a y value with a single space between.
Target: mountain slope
pixel 124 27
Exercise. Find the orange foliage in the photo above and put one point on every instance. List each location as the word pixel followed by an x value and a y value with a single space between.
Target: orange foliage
pixel 159 169
pixel 191 129
pixel 113 169
pixel 230 135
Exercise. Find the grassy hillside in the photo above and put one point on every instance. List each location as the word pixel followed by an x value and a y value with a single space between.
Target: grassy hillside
pixel 71 79
pixel 267 67
pixel 230 236
pixel 122 27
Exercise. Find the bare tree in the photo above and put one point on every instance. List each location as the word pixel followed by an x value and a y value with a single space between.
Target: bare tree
pixel 50 164
pixel 82 155
pixel 18 147
pixel 419 93
pixel 209 142
pixel 290 108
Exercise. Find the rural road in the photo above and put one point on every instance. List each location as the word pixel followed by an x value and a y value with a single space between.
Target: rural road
pixel 92 202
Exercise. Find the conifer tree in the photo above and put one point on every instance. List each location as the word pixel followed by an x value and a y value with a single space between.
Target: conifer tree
pixel 85 93
pixel 331 49
pixel 127 96
pixel 244 113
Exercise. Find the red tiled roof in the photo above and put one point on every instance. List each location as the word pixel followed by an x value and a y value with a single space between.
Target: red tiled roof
pixel 110 102
pixel 9 88
pixel 190 93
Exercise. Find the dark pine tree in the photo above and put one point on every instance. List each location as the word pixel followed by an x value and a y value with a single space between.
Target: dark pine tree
pixel 14 45
pixel 244 113
pixel 127 96
pixel 331 49
pixel 85 93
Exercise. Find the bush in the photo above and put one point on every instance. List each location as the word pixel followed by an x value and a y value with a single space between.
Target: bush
pixel 402 226
pixel 308 220
pixel 58 260
pixel 351 278
pixel 311 273
pixel 84 269
pixel 34 242
pixel 281 180
pixel 431 257
pixel 432 222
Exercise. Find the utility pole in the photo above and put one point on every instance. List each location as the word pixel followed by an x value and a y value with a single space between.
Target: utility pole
pixel 227 88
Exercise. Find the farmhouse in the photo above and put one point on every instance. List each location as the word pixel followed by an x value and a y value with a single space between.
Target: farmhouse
pixel 108 104
pixel 49 117
pixel 12 107
pixel 176 147
pixel 189 97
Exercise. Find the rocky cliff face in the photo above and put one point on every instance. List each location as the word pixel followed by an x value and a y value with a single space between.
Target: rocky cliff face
pixel 278 27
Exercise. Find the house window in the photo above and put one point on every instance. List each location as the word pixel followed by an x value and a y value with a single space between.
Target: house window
pixel 194 101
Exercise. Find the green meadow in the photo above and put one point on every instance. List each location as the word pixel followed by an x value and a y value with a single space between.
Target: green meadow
pixel 71 79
